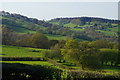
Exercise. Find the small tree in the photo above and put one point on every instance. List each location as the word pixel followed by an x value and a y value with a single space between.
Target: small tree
pixel 71 51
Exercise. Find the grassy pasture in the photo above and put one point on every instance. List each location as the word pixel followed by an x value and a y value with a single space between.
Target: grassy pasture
pixel 42 63
pixel 34 63
pixel 21 30
pixel 115 29
pixel 14 51
pixel 57 23
pixel 105 49
pixel 70 25
pixel 111 68
pixel 77 29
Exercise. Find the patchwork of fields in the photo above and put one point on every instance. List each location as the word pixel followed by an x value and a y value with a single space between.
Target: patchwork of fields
pixel 13 51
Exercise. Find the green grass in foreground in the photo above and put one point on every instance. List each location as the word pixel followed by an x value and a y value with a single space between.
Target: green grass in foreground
pixel 42 63
pixel 14 51
pixel 111 68
pixel 34 63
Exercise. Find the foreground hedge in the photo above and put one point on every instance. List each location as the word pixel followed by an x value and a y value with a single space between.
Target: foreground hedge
pixel 76 75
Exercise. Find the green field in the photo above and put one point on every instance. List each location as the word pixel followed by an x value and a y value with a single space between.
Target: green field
pixel 55 23
pixel 42 63
pixel 21 30
pixel 14 51
pixel 24 25
pixel 70 25
pixel 56 37
pixel 77 29
pixel 111 69
pixel 115 29
pixel 110 33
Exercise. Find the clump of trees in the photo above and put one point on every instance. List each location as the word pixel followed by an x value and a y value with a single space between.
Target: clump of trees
pixel 81 54
pixel 37 40
pixel 88 55
pixel 109 57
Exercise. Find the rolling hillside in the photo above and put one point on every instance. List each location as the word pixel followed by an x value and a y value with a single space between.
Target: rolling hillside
pixel 80 28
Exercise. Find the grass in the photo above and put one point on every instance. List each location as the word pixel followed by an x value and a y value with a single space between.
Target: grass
pixel 42 63
pixel 111 68
pixel 33 63
pixel 110 33
pixel 105 49
pixel 55 23
pixel 73 66
pixel 14 51
pixel 21 30
pixel 115 29
pixel 77 29
pixel 70 25
pixel 23 25
pixel 114 24
pixel 56 37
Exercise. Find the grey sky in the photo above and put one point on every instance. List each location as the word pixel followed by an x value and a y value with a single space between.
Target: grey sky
pixel 50 10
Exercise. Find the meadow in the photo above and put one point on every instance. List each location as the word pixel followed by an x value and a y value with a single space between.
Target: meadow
pixel 14 51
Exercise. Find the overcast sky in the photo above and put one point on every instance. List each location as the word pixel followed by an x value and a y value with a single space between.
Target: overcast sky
pixel 50 10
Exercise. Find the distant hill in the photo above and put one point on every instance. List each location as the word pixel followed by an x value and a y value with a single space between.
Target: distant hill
pixel 79 28
pixel 84 19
